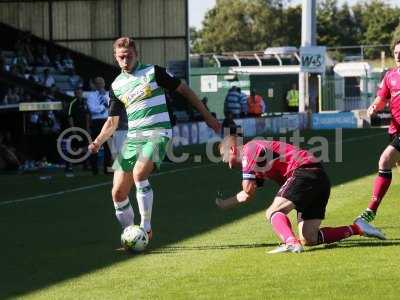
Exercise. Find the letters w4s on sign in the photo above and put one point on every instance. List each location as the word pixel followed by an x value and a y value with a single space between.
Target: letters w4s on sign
pixel 312 59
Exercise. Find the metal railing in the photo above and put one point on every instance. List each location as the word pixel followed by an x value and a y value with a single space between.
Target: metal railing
pixel 348 93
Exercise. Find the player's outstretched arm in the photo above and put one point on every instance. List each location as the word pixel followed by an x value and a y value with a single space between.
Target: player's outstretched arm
pixel 189 94
pixel 376 106
pixel 248 192
pixel 107 131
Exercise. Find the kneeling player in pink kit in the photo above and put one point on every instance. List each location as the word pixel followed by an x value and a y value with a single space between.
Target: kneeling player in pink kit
pixel 304 186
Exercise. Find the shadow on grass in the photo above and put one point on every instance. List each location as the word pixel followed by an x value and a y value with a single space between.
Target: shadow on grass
pixel 356 243
pixel 172 249
pixel 50 240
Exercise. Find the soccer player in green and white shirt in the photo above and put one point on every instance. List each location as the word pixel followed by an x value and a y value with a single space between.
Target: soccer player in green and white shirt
pixel 139 90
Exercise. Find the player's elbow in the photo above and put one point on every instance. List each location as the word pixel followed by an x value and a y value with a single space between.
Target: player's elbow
pixel 112 123
pixel 182 88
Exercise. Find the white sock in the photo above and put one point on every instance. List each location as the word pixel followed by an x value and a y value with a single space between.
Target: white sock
pixel 124 212
pixel 144 196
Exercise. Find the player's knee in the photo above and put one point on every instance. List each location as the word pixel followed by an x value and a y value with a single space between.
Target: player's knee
pixel 309 238
pixel 268 213
pixel 139 176
pixel 384 162
pixel 118 195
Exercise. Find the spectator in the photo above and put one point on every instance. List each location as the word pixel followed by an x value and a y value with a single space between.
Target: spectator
pixel 14 71
pixel 42 58
pixel 292 98
pixel 20 62
pixel 58 63
pixel 243 103
pixel 47 79
pixel 19 91
pixel 78 116
pixel 44 96
pixel 33 76
pixel 75 80
pixel 98 101
pixel 52 96
pixel 256 105
pixel 11 97
pixel 232 105
pixel 68 63
pixel 45 123
pixel 27 98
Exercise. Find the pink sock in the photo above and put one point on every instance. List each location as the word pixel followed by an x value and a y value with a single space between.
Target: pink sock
pixel 283 228
pixel 381 185
pixel 329 235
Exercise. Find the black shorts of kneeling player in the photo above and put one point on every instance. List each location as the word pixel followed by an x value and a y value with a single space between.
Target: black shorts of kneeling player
pixel 308 188
pixel 395 141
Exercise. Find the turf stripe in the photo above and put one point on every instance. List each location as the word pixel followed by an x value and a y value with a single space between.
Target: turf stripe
pixel 89 187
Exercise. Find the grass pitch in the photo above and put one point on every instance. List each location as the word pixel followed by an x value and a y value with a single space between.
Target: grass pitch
pixel 59 238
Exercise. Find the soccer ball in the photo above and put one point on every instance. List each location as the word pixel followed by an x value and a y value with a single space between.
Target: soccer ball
pixel 134 238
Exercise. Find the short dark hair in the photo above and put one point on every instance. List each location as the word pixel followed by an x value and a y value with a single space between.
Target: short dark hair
pixel 395 42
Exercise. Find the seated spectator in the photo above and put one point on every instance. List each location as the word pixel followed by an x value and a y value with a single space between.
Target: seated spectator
pixel 47 79
pixel 43 97
pixel 68 63
pixel 27 98
pixel 58 63
pixel 33 75
pixel 42 58
pixel 14 71
pixel 11 97
pixel 75 80
pixel 52 94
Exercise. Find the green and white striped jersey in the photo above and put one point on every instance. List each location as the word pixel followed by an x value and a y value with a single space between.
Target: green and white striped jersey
pixel 141 93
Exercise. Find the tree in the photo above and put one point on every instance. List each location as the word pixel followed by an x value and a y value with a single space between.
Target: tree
pixel 292 25
pixel 396 36
pixel 248 25
pixel 195 39
pixel 239 25
pixel 378 21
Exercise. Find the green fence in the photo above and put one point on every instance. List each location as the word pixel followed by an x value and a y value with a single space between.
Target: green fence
pixel 348 93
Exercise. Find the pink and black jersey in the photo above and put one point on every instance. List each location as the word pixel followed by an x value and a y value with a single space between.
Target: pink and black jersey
pixel 389 90
pixel 273 160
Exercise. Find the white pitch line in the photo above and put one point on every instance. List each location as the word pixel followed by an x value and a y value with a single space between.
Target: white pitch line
pixel 88 187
